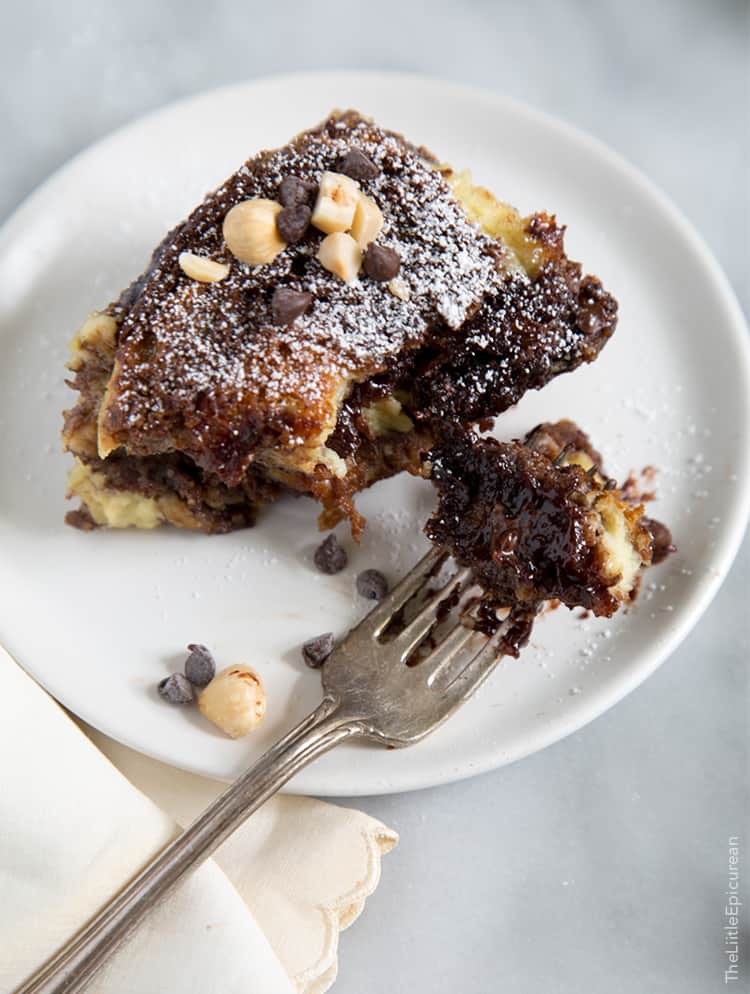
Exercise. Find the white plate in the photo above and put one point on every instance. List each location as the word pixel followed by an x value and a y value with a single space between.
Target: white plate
pixel 100 618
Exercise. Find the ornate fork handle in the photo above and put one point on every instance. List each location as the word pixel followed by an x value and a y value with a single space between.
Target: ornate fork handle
pixel 73 966
pixel 369 692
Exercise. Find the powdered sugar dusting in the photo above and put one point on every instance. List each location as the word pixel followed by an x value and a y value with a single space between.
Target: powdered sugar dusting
pixel 194 354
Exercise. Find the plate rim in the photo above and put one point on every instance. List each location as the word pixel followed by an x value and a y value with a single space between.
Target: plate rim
pixel 734 325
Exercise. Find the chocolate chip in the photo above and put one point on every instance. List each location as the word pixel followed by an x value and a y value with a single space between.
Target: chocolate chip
pixel 356 165
pixel 176 689
pixel 293 222
pixel 372 585
pixel 200 668
pixel 661 540
pixel 300 264
pixel 317 650
pixel 294 191
pixel 329 557
pixel 287 305
pixel 381 263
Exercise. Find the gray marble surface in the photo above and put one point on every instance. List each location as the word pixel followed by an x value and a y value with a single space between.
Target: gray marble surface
pixel 601 863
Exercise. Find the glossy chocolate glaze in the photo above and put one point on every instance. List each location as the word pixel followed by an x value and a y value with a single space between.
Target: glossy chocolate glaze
pixel 520 339
pixel 208 422
pixel 523 523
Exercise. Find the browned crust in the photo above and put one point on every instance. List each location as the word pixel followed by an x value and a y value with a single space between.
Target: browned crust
pixel 268 387
pixel 523 335
pixel 527 527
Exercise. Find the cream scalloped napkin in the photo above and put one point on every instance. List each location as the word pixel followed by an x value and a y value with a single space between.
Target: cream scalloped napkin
pixel 263 917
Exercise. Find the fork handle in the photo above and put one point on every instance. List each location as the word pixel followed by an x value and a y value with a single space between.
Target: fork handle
pixel 73 966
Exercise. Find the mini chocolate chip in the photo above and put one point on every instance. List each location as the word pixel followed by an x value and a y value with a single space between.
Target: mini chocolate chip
pixel 200 668
pixel 661 540
pixel 329 557
pixel 287 305
pixel 176 689
pixel 381 263
pixel 356 165
pixel 294 191
pixel 317 650
pixel 293 222
pixel 299 265
pixel 372 585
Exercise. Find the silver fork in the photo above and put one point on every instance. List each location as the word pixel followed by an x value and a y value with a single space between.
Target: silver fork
pixel 369 692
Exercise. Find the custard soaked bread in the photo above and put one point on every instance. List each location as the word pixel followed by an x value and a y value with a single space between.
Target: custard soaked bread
pixel 313 326
pixel 538 520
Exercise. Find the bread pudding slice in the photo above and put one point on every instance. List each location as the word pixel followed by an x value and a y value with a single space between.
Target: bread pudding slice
pixel 537 520
pixel 311 327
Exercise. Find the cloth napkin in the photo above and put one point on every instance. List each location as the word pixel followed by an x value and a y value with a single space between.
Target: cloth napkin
pixel 262 917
